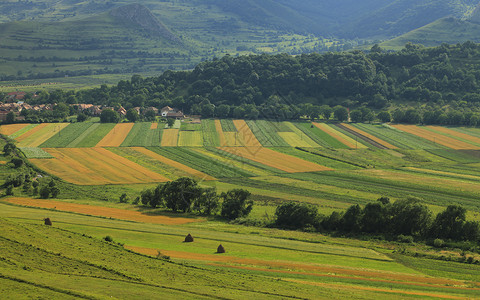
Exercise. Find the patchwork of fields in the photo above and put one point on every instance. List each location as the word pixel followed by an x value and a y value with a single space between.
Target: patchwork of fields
pixel 333 164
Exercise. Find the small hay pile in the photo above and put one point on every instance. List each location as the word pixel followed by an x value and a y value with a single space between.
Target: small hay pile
pixel 188 238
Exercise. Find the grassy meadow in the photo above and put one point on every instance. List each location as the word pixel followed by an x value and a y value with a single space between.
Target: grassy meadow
pixel 312 163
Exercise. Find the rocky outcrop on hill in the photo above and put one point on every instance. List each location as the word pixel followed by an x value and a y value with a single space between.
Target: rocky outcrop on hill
pixel 142 16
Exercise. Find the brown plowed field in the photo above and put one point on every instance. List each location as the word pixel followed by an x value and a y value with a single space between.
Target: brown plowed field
pixel 108 212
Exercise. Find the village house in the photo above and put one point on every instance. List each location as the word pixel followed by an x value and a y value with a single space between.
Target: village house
pixel 169 112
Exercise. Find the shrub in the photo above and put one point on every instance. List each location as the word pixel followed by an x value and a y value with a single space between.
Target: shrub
pixel 108 239
pixel 297 216
pixel 405 239
pixel 438 243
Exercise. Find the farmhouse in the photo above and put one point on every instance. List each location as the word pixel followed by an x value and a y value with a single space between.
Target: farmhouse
pixel 169 112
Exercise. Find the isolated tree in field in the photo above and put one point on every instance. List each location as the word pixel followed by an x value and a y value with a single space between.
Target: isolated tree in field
pixel 132 115
pixel 81 117
pixel 236 204
pixel 207 203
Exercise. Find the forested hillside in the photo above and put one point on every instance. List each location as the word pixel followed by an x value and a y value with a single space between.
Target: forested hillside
pixel 281 86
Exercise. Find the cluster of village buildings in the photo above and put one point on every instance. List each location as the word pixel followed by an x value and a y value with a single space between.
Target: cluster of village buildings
pixel 13 102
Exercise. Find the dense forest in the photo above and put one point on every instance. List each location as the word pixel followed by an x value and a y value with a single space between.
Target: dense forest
pixel 435 85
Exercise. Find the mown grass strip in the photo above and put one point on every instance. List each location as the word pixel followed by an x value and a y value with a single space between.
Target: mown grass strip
pixel 201 162
pixel 92 135
pixel 66 135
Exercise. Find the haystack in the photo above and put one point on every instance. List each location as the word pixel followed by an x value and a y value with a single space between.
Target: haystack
pixel 220 249
pixel 48 221
pixel 188 238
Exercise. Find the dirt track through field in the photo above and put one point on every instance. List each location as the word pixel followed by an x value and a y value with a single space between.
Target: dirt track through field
pixel 107 212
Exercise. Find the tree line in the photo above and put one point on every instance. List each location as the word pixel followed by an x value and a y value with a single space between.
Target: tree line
pixel 439 80
pixel 407 218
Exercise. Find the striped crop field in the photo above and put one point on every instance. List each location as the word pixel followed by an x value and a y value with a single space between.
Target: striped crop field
pixel 116 136
pixel 267 133
pixel 169 138
pixel 18 133
pixel 397 137
pixel 40 134
pixel 216 154
pixel 228 125
pixel 11 128
pixel 141 135
pixel 369 136
pixel 91 136
pixel 296 138
pixel 436 137
pixel 275 159
pixel 342 138
pixel 190 139
pixel 173 163
pixel 66 136
pixel 320 137
pixel 210 135
pixel 198 161
pixel 221 135
pixel 456 134
pixel 245 134
pixel 95 166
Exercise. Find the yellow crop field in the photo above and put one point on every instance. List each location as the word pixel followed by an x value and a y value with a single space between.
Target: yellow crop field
pixel 170 138
pixel 275 159
pixel 39 134
pixel 154 126
pixel 221 135
pixel 347 141
pixel 116 136
pixel 95 166
pixel 246 135
pixel 233 139
pixel 454 133
pixel 436 137
pixel 11 128
pixel 368 135
pixel 190 139
pixel 173 163
pixel 302 138
pixel 293 139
